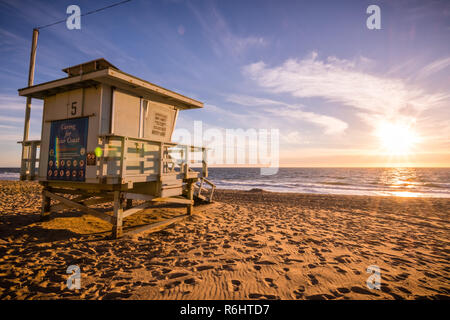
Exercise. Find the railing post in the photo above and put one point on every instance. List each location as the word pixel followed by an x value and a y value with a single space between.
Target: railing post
pixel 33 160
pixel 102 157
pixel 161 160
pixel 204 163
pixel 123 158
pixel 23 161
pixel 186 160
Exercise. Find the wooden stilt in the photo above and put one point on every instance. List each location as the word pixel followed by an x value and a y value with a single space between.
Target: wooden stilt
pixel 118 215
pixel 45 210
pixel 76 205
pixel 190 196
pixel 129 204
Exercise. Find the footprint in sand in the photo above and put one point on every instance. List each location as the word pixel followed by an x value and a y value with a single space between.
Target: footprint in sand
pixel 190 281
pixel 313 279
pixel 340 270
pixel 320 297
pixel 202 268
pixel 427 274
pixel 228 267
pixel 270 283
pixel 235 284
pixel 342 259
pixel 363 291
pixel 263 296
pixel 172 284
pixel 343 290
pixel 404 290
pixel 116 295
pixel 299 292
pixel 336 294
pixel 177 275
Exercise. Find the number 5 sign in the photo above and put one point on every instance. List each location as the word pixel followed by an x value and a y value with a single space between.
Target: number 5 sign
pixel 74 104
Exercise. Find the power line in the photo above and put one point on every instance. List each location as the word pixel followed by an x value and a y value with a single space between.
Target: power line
pixel 85 14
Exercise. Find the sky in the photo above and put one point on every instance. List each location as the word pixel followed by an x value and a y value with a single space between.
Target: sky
pixel 338 93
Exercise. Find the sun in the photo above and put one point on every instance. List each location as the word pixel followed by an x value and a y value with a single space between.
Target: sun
pixel 396 138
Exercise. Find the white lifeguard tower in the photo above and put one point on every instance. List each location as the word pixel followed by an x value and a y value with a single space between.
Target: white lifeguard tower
pixel 106 136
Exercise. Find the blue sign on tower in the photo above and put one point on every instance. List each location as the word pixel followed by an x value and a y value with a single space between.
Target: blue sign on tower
pixel 67 150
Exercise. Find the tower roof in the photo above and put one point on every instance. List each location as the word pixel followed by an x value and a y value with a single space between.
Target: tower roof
pixel 100 71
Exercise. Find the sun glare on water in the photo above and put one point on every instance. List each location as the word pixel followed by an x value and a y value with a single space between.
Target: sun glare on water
pixel 396 139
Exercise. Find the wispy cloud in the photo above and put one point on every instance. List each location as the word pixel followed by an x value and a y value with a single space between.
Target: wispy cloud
pixel 290 113
pixel 16 103
pixel 10 40
pixel 339 81
pixel 434 67
pixel 330 125
pixel 251 101
pixel 11 119
pixel 220 35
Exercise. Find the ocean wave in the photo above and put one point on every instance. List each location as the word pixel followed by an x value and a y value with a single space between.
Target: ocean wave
pixel 336 183
pixel 436 185
pixel 9 176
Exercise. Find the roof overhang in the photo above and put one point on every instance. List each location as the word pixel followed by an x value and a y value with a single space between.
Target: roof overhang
pixel 115 78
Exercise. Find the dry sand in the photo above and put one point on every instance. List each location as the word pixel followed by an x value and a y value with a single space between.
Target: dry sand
pixel 247 245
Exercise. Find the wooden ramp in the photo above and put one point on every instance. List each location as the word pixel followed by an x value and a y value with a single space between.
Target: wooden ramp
pixel 204 190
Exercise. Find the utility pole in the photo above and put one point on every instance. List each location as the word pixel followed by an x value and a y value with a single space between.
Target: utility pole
pixel 26 127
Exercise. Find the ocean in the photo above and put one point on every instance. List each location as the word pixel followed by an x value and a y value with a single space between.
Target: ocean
pixel 405 182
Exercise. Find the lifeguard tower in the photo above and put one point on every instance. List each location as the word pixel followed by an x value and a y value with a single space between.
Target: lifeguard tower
pixel 106 137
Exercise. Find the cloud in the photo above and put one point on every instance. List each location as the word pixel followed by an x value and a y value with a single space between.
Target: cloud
pixel 220 35
pixel 3 126
pixel 11 119
pixel 16 103
pixel 293 138
pixel 291 113
pixel 237 44
pixel 340 81
pixel 9 39
pixel 251 101
pixel 434 67
pixel 331 125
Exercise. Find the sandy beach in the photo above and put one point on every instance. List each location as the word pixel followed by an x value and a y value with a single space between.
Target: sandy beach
pixel 246 245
